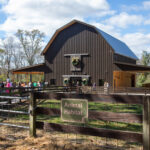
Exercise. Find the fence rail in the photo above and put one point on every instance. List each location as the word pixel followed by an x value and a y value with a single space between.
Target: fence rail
pixel 106 116
pixel 3 110
pixel 116 134
pixel 128 99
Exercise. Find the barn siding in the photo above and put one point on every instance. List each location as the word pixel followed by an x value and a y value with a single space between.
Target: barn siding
pixel 79 38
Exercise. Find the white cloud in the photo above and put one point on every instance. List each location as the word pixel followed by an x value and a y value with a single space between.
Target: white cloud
pixel 137 42
pixel 48 15
pixel 3 1
pixel 146 5
pixel 147 22
pixel 1 43
pixel 123 20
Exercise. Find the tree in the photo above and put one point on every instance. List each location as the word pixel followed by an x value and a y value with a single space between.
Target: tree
pixel 1 61
pixel 31 44
pixel 9 47
pixel 1 50
pixel 145 60
pixel 18 57
pixel 1 58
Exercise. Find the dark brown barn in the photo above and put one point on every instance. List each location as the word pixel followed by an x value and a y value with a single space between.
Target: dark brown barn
pixel 81 53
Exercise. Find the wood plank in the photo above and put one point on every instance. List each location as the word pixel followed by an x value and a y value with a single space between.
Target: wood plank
pixel 107 116
pixel 127 99
pixel 13 112
pixel 115 134
pixel 13 97
pixel 14 125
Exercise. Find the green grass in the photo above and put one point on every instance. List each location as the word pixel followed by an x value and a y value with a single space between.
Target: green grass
pixel 118 108
pixel 95 123
pixel 96 106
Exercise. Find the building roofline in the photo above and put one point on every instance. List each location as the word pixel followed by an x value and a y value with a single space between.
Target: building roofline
pixel 89 25
pixel 27 67
pixel 62 28
pixel 133 65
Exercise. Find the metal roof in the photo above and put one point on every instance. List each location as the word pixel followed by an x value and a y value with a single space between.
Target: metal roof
pixel 118 46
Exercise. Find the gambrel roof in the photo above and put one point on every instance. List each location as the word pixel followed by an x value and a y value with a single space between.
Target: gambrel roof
pixel 118 46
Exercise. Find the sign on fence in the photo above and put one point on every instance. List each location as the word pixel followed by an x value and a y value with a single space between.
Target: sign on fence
pixel 74 110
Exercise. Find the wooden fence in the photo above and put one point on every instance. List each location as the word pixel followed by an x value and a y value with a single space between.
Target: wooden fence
pixel 108 116
pixel 6 105
pixel 11 98
pixel 143 138
pixel 20 91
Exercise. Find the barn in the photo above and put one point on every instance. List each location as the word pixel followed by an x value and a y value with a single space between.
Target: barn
pixel 80 53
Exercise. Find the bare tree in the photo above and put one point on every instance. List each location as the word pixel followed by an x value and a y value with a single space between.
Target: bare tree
pixel 31 43
pixel 2 61
pixel 18 57
pixel 9 47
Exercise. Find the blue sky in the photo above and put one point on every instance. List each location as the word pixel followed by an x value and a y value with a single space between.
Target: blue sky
pixel 127 20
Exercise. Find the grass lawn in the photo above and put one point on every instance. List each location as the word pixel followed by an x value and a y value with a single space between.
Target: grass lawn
pixel 96 106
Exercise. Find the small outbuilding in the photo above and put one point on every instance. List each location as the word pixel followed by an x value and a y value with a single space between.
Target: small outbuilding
pixel 80 53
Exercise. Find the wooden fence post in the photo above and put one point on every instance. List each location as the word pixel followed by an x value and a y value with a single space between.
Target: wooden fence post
pixel 32 115
pixel 146 123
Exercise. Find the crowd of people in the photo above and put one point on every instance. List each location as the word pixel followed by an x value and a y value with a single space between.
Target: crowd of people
pixel 9 84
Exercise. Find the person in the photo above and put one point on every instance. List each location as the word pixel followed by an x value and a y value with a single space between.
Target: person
pixel 8 80
pixel 94 86
pixel 14 84
pixel 34 84
pixel 8 86
pixel 106 88
pixel 1 87
pixel 22 84
pixel 39 85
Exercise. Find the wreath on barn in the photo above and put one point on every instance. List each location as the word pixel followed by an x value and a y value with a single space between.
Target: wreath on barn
pixel 84 81
pixel 66 80
pixel 75 61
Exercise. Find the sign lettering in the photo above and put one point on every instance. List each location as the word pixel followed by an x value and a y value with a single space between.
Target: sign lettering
pixel 74 110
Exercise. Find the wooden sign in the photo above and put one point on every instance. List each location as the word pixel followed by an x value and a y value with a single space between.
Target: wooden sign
pixel 74 110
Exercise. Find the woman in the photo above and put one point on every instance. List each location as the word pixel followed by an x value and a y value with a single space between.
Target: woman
pixel 7 86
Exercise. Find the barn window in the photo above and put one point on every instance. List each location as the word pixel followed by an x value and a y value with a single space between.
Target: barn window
pixel 52 81
pixel 101 82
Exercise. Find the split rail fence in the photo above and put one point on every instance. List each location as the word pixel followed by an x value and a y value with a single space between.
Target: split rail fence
pixel 15 104
pixel 143 138
pixel 108 116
